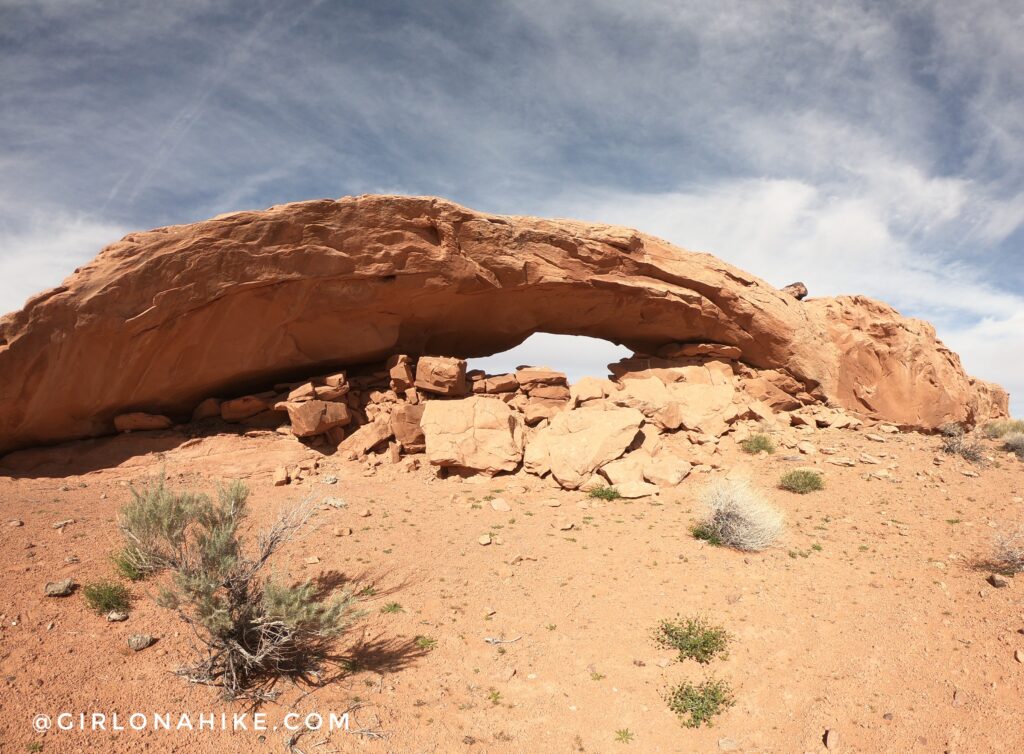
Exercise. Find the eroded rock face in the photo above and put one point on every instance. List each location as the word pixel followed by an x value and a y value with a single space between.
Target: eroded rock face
pixel 164 319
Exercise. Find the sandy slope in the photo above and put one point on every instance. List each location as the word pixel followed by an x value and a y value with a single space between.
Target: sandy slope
pixel 887 634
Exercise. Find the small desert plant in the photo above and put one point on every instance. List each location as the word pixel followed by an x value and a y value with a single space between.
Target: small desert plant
pixel 738 517
pixel 604 493
pixel 253 629
pixel 802 481
pixel 1003 427
pixel 707 533
pixel 126 563
pixel 106 596
pixel 758 443
pixel 1014 442
pixel 1009 551
pixel 695 705
pixel 959 443
pixel 693 638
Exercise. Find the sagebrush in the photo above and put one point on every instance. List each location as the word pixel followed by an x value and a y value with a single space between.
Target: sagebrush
pixel 737 516
pixel 252 630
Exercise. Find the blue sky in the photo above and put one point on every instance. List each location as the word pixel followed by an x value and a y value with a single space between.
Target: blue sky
pixel 862 147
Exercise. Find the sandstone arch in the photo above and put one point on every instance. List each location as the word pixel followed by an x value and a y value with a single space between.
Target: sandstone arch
pixel 164 318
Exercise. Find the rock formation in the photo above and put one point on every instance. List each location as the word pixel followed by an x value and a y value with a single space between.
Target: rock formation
pixel 163 321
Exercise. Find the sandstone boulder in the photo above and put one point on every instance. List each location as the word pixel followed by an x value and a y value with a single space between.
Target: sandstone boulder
pixel 405 426
pixel 441 375
pixel 238 409
pixel 577 443
pixel 480 434
pixel 367 437
pixel 207 409
pixel 315 417
pixel 400 368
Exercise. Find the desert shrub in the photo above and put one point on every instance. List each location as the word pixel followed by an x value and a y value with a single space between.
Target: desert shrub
pixel 707 533
pixel 958 443
pixel 757 443
pixel 802 481
pixel 126 563
pixel 253 630
pixel 696 705
pixel 604 493
pixel 106 596
pixel 693 638
pixel 1003 427
pixel 1009 551
pixel 737 516
pixel 1014 442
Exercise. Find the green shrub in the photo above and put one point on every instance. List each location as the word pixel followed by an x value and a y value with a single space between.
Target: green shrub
pixel 802 481
pixel 1003 427
pixel 604 493
pixel 106 596
pixel 694 638
pixel 758 443
pixel 738 517
pixel 696 705
pixel 254 630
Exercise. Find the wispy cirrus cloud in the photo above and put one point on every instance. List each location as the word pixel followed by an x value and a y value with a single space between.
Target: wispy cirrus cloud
pixel 862 147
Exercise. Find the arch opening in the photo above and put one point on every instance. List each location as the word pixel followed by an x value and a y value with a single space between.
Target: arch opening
pixel 575 355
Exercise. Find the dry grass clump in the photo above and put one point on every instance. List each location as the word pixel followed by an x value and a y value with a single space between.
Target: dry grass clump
pixel 760 443
pixel 252 630
pixel 958 443
pixel 1014 442
pixel 1009 551
pixel 738 517
pixel 1003 427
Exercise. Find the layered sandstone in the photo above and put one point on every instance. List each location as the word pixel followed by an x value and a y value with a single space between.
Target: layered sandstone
pixel 163 320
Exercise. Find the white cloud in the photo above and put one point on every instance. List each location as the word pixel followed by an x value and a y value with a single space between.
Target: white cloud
pixel 45 251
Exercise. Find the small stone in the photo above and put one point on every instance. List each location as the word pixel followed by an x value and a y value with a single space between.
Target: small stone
pixel 640 663
pixel 958 697
pixel 61 588
pixel 138 642
pixel 330 479
pixel 334 502
pixel 343 531
pixel 312 560
pixel 365 513
pixel 116 616
pixel 998 581
pixel 281 476
pixel 484 539
pixel 565 525
pixel 888 716
pixel 62 524
pixel 14 522
pixel 806 448
pixel 831 739
pixel 552 503
pixel 970 473
pixel 727 744
pixel 1018 655
pixel 499 504
pixel 874 438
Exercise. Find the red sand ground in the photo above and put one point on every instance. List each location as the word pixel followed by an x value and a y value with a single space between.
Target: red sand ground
pixel 888 634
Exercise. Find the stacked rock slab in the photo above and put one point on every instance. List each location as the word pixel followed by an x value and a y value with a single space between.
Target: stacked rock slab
pixel 166 318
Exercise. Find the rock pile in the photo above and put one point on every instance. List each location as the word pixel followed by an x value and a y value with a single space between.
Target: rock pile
pixel 646 427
